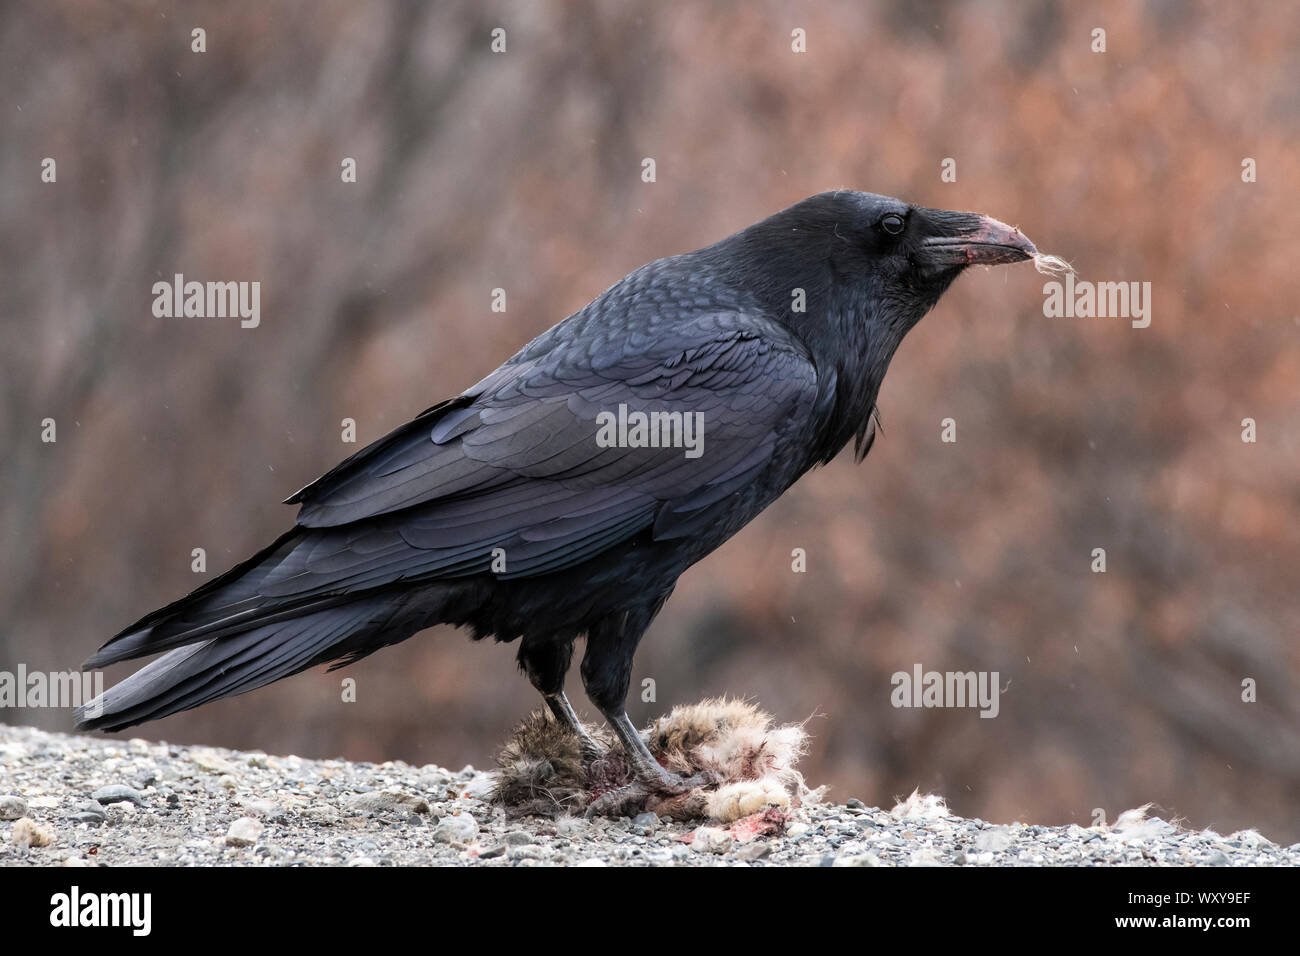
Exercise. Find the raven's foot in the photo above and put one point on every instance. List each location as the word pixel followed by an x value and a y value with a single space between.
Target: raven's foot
pixel 654 790
pixel 652 786
pixel 563 711
pixel 590 750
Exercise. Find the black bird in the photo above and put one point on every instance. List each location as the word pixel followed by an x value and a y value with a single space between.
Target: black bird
pixel 516 510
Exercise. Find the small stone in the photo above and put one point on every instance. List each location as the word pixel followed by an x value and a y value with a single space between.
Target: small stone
pixel 212 762
pixel 530 851
pixel 797 829
pixel 456 829
pixel 12 808
pixel 712 840
pixel 648 820
pixel 244 832
pixel 572 826
pixel 1217 858
pixel 322 815
pixel 853 803
pixel 860 859
pixel 27 832
pixel 493 852
pixel 116 793
pixel 754 851
pixel 518 838
pixel 1250 838
pixel 89 813
pixel 434 778
pixel 995 839
pixel 262 807
pixel 387 801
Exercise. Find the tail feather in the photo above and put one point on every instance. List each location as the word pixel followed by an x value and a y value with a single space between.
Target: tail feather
pixel 208 670
pixel 227 604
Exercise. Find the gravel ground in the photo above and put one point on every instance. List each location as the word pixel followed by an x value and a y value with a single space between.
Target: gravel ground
pixel 86 801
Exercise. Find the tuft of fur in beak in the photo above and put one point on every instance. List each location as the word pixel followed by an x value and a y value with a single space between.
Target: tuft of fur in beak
pixel 542 770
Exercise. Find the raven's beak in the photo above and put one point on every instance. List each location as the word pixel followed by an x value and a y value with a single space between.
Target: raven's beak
pixel 967 239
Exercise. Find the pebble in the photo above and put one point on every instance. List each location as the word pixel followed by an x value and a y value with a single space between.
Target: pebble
pixel 88 813
pixel 244 832
pixel 572 826
pixel 27 832
pixel 387 801
pixel 456 829
pixel 262 808
pixel 712 840
pixel 12 808
pixel 212 762
pixel 996 839
pixel 116 793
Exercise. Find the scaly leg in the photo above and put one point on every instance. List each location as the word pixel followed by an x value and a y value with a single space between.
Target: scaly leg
pixel 545 665
pixel 606 673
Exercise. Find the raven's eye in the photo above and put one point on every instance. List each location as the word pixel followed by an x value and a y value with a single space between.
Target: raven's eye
pixel 892 224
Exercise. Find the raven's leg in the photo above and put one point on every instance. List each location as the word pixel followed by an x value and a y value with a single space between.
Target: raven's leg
pixel 545 664
pixel 606 673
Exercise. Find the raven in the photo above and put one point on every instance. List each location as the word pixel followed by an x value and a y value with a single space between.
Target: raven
pixel 511 509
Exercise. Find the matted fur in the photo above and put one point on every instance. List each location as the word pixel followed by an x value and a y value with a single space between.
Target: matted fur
pixel 541 770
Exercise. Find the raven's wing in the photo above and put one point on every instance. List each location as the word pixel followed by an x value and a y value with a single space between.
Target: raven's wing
pixel 517 462
pixel 513 469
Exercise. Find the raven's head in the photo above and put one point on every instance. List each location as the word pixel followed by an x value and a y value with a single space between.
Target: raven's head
pixel 847 262
pixel 851 273
pixel 854 242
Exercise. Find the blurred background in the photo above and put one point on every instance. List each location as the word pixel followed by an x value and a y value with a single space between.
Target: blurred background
pixel 522 170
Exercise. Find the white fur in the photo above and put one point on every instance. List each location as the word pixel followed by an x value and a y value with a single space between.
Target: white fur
pixel 920 806
pixel 732 801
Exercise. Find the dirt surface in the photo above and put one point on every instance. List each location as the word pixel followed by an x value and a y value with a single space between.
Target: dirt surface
pixel 86 801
